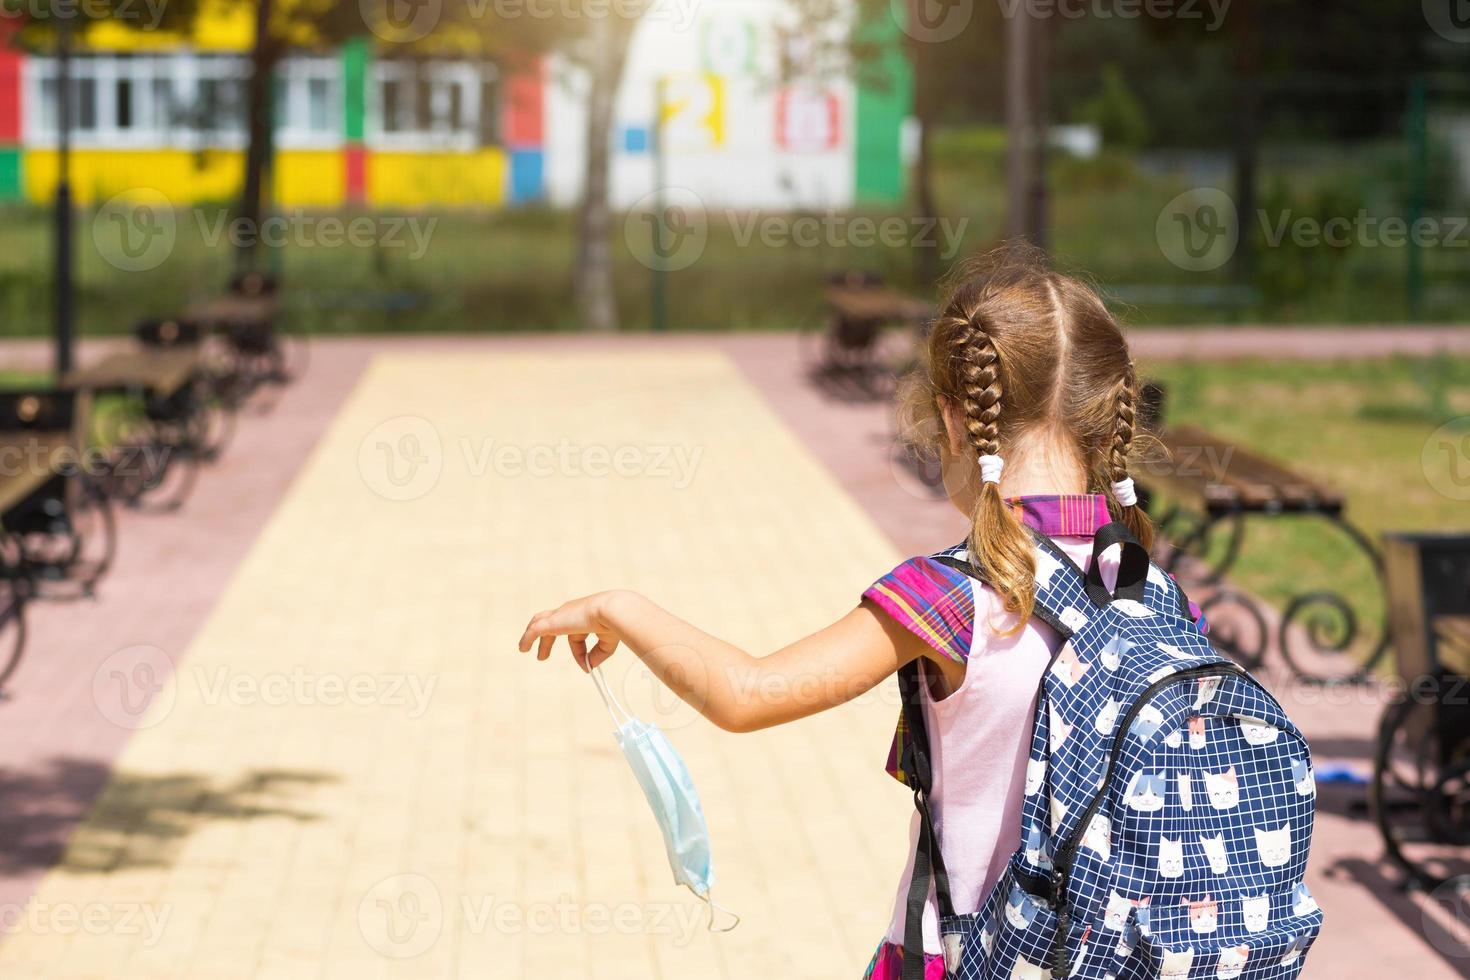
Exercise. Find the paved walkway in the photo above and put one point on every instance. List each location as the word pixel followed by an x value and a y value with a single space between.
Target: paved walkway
pixel 351 773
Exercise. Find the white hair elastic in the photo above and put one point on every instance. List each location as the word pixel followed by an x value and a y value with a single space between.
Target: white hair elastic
pixel 990 467
pixel 1125 493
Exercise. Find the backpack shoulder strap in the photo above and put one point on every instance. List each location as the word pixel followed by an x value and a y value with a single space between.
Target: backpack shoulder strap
pixel 1060 584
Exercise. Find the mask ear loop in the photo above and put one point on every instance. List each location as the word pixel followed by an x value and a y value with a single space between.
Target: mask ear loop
pixel 609 699
pixel 734 919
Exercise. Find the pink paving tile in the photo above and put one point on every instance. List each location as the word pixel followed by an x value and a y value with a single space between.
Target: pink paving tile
pixel 57 748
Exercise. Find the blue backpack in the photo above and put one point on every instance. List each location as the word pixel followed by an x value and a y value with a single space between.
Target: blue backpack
pixel 1168 808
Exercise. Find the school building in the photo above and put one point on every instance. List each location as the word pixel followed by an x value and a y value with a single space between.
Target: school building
pixel 361 126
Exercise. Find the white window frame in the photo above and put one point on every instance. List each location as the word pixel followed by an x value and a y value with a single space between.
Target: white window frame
pixel 154 126
pixel 293 125
pixel 440 76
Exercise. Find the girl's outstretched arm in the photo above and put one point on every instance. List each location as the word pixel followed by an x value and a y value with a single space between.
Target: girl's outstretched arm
pixel 736 691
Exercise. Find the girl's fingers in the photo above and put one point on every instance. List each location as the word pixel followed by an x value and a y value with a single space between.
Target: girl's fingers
pixel 606 647
pixel 543 646
pixel 533 630
pixel 578 643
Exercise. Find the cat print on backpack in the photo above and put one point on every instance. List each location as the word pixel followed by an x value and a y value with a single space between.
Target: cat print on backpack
pixel 1177 963
pixel 1020 908
pixel 1197 732
pixel 1186 792
pixel 1258 732
pixel 1302 902
pixel 1232 962
pixel 1301 776
pixel 1274 846
pixel 1223 789
pixel 1035 775
pixel 1068 668
pixel 1107 718
pixel 1099 837
pixel 1026 970
pixel 1147 723
pixel 1117 913
pixel 1204 915
pixel 1171 858
pixel 1256 911
pixel 1294 952
pixel 1146 792
pixel 1215 853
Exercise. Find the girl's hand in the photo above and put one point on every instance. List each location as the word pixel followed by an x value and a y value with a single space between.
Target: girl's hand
pixel 575 619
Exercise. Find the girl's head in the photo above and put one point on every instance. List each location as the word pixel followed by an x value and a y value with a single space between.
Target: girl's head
pixel 1024 363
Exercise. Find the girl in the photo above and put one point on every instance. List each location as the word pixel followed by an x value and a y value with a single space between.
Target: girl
pixel 1026 393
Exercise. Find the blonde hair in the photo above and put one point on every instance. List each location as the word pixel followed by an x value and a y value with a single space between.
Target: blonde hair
pixel 1026 351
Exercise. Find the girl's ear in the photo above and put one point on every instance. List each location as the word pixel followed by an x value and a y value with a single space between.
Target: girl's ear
pixel 954 426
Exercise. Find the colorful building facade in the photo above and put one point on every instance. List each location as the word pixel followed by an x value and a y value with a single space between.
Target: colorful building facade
pixel 355 128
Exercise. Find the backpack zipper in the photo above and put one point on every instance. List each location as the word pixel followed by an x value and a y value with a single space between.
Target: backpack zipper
pixel 1067 853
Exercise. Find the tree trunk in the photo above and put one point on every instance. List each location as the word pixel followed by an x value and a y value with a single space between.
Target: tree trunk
pixel 263 58
pixel 593 275
pixel 926 258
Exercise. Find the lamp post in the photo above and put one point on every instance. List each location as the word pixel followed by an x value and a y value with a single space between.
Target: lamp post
pixel 63 232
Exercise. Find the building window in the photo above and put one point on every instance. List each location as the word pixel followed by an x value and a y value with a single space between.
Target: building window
pixel 309 102
pixel 428 104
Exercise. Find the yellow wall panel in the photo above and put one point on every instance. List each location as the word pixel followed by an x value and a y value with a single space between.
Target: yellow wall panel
pixel 426 179
pixel 182 176
pixel 219 27
pixel 310 179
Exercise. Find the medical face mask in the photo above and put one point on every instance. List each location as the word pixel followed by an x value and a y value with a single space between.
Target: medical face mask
pixel 672 797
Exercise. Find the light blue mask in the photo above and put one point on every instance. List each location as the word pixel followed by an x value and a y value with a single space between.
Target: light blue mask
pixel 672 797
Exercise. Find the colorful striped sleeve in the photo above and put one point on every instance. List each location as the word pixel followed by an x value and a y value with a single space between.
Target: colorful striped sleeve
pixel 934 602
pixel 937 604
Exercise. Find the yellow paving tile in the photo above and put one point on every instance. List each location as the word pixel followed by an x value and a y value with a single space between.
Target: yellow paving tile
pixel 357 775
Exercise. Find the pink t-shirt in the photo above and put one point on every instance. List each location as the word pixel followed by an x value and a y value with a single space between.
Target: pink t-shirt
pixel 980 735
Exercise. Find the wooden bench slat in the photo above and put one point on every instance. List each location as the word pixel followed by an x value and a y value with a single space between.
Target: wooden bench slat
pixel 1226 475
pixel 27 461
pixel 876 303
pixel 162 371
pixel 233 309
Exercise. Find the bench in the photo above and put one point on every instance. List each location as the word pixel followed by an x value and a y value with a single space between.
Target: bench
pixel 154 417
pixel 53 511
pixel 1416 796
pixel 1213 484
pixel 858 348
pixel 247 318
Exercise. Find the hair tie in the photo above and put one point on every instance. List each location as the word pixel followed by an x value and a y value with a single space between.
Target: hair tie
pixel 1123 490
pixel 990 467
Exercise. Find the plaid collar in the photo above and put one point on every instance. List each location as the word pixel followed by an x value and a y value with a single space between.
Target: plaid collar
pixel 1062 515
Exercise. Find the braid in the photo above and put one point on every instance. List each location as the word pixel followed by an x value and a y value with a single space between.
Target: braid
pixel 980 379
pixel 1125 400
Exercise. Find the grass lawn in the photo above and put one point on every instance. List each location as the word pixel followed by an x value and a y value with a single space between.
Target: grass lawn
pixel 512 269
pixel 1359 426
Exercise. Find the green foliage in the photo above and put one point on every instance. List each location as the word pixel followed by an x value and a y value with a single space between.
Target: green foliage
pixel 1116 112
